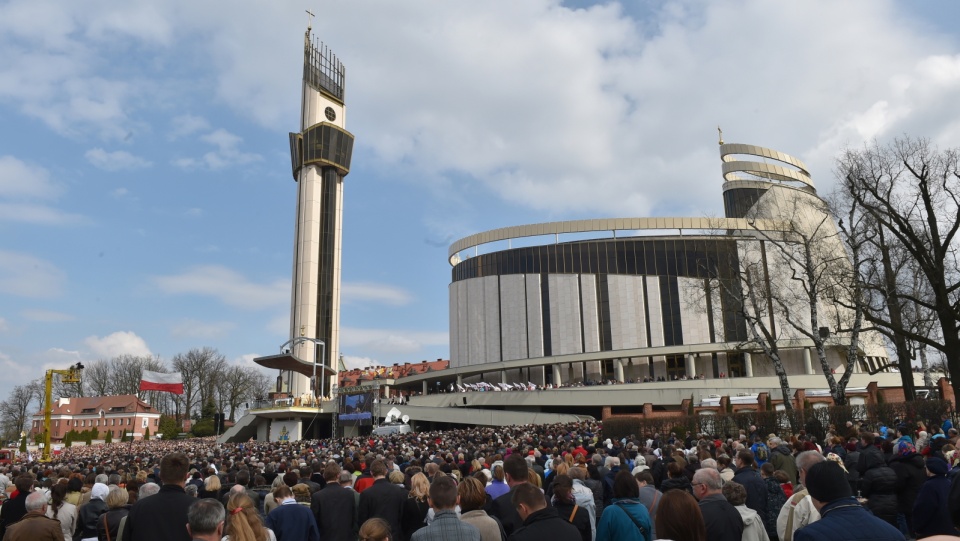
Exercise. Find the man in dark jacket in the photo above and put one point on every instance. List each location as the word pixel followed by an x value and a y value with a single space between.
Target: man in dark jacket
pixel 15 508
pixel 782 460
pixel 930 513
pixel 291 521
pixel 382 500
pixel 911 474
pixel 723 521
pixel 747 476
pixel 878 483
pixel 539 521
pixel 334 507
pixel 516 472
pixel 163 516
pixel 841 517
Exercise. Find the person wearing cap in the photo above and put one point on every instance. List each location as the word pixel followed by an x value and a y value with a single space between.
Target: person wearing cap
pixel 842 518
pixel 930 511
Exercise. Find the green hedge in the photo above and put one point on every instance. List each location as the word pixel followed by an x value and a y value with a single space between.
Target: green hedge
pixel 813 421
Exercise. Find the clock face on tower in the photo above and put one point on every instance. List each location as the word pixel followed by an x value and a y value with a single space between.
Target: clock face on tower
pixel 330 114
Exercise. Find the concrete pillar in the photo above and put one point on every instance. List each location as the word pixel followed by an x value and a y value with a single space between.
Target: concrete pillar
pixel 807 364
pixel 556 375
pixel 459 380
pixel 618 370
pixel 424 387
pixel 748 365
pixel 503 376
pixel 691 367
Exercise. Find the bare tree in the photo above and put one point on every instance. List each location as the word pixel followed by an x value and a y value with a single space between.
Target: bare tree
pixel 200 368
pixel 912 190
pixel 236 385
pixel 16 411
pixel 96 378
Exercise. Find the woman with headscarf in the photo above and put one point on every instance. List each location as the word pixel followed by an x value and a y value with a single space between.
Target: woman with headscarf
pixel 911 474
pixel 89 514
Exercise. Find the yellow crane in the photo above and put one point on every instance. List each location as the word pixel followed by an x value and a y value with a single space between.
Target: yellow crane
pixel 70 375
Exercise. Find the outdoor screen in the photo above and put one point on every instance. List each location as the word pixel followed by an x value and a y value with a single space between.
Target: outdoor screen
pixel 356 409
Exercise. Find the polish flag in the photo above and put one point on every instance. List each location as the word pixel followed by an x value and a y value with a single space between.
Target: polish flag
pixel 158 381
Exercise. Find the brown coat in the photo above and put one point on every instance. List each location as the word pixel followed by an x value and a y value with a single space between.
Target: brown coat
pixel 34 527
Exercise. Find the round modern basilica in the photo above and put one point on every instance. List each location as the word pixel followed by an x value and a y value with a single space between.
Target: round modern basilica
pixel 650 299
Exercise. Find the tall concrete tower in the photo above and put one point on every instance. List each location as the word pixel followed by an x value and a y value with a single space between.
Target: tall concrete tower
pixel 320 155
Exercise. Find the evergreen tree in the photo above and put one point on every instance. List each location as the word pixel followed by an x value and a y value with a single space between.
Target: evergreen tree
pixel 146 434
pixel 109 437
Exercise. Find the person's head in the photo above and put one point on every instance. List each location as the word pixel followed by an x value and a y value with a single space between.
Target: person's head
pixel 745 459
pixel 301 492
pixel 190 489
pixel 527 499
pixel 419 486
pixel 212 483
pixel 767 469
pixel 826 482
pixel 774 442
pixel 578 473
pixel 396 477
pixel 331 472
pixel 708 463
pixel 75 484
pixel 515 469
pixel 244 521
pixel 679 517
pixel 147 489
pixel 378 469
pixel 644 478
pixel 625 486
pixel 533 478
pixel 937 466
pixel 281 493
pixel 674 471
pixel 99 492
pixel 117 497
pixel 374 529
pixel 735 493
pixel 443 493
pixel 174 469
pixel 472 495
pixel 346 479
pixel 36 502
pixel 563 487
pixel 706 482
pixel 867 438
pixel 497 472
pixel 205 519
pixel 24 483
pixel 805 461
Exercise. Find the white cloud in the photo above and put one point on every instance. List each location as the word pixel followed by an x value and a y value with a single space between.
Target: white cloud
pixel 279 325
pixel 118 160
pixel 390 340
pixel 22 180
pixel 200 329
pixel 184 125
pixel 227 152
pixel 24 275
pixel 118 343
pixel 350 362
pixel 45 316
pixel 226 285
pixel 39 214
pixel 365 291
pixel 193 212
pixel 4 326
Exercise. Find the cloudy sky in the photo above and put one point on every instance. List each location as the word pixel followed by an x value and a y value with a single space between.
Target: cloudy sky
pixel 146 201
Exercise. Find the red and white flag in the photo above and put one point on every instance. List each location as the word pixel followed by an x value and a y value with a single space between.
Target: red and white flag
pixel 158 381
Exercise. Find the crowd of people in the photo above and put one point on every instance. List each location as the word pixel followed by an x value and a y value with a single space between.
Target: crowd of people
pixel 523 483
